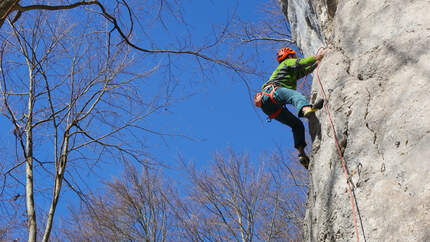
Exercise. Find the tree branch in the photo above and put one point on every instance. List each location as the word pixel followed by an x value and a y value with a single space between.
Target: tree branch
pixel 53 8
pixel 267 39
pixel 116 27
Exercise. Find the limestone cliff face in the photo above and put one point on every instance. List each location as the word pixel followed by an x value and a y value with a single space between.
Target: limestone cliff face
pixel 377 79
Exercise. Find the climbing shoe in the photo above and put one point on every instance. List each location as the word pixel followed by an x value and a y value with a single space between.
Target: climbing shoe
pixel 315 107
pixel 304 160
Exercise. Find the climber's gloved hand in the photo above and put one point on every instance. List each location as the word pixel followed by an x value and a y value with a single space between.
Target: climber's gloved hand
pixel 321 54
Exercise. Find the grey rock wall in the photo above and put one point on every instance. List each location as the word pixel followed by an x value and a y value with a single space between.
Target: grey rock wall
pixel 302 16
pixel 377 78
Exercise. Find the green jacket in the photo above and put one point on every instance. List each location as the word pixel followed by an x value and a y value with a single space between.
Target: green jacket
pixel 290 71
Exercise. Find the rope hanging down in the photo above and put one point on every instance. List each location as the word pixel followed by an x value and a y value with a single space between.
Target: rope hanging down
pixel 345 170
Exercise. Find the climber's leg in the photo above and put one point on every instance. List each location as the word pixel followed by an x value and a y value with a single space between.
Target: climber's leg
pixel 288 96
pixel 286 117
pixel 309 110
pixel 303 158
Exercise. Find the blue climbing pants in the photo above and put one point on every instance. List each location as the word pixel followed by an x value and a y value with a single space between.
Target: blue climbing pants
pixel 284 96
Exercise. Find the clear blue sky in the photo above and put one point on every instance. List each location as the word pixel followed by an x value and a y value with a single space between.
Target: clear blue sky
pixel 221 114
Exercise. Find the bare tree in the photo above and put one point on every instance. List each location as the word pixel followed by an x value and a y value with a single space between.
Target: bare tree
pixel 81 103
pixel 272 30
pixel 292 180
pixel 239 201
pixel 126 32
pixel 80 96
pixel 133 208
pixel 235 200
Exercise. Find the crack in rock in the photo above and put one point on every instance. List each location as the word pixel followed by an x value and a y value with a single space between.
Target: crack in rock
pixel 375 137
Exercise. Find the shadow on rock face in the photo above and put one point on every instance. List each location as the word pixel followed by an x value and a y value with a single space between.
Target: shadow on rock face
pixel 332 7
pixel 314 127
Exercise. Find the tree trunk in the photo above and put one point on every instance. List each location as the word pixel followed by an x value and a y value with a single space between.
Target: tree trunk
pixel 31 214
pixel 6 7
pixel 57 187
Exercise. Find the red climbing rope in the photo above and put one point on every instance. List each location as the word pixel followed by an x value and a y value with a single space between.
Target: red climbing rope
pixel 345 170
pixel 303 82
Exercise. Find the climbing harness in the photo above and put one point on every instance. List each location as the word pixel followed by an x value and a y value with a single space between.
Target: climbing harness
pixel 345 170
pixel 277 112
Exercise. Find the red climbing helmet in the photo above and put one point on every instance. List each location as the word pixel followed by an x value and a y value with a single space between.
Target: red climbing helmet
pixel 284 53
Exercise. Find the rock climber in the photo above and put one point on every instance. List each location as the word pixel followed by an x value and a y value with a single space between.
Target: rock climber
pixel 280 90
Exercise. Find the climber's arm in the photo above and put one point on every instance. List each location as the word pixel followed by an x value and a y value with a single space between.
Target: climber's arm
pixel 310 60
pixel 307 62
pixel 305 66
pixel 321 54
pixel 310 69
pixel 310 63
